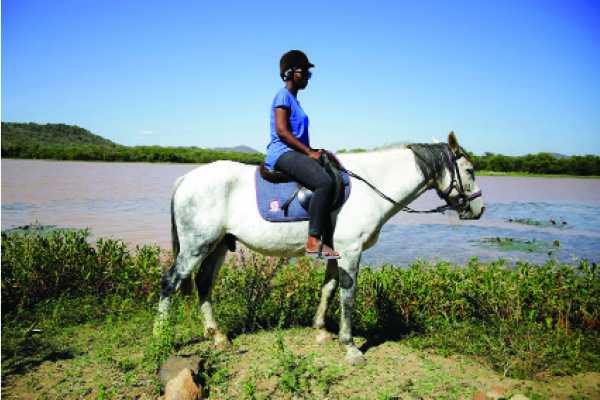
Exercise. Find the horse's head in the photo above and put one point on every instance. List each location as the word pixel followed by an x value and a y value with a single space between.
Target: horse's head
pixel 457 183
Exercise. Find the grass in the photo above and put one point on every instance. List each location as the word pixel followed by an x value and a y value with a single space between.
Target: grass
pixel 77 322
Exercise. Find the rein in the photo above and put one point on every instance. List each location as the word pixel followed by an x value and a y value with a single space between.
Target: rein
pixel 407 209
pixel 452 166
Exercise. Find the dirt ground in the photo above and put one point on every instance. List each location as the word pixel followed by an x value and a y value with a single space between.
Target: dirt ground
pixel 257 367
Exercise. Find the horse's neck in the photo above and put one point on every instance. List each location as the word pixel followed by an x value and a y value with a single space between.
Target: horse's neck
pixel 394 172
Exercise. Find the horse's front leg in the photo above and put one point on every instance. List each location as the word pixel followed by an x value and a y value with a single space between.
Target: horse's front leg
pixel 348 272
pixel 330 284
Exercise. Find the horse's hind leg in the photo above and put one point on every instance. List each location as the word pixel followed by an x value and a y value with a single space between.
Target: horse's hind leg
pixel 171 280
pixel 328 288
pixel 204 282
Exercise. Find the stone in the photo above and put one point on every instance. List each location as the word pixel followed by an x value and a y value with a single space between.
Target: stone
pixel 496 392
pixel 183 387
pixel 174 364
pixel 519 397
pixel 542 376
pixel 479 396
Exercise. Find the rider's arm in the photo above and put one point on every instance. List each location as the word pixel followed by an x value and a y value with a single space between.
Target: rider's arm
pixel 283 130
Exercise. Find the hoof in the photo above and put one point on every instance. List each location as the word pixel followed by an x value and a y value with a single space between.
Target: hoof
pixel 323 337
pixel 355 357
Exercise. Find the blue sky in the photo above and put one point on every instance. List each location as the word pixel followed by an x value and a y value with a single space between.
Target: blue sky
pixel 511 77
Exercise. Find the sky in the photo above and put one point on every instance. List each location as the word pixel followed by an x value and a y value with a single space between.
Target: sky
pixel 510 77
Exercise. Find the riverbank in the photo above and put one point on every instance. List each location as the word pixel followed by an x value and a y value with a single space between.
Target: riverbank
pixel 151 159
pixel 77 322
pixel 531 175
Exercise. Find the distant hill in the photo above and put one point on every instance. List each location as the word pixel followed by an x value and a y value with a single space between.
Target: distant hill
pixel 49 134
pixel 238 149
pixel 69 142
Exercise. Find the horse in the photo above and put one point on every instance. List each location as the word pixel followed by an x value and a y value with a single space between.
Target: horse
pixel 214 205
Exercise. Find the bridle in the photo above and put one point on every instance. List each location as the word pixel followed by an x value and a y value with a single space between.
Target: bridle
pixel 450 157
pixel 463 200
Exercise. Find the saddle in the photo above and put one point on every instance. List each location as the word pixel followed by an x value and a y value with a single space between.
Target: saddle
pixel 281 199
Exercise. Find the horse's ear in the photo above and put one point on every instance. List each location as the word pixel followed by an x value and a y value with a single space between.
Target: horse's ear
pixel 452 142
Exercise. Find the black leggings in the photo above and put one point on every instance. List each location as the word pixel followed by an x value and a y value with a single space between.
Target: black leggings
pixel 310 174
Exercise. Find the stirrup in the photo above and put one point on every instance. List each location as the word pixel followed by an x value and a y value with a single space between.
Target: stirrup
pixel 319 254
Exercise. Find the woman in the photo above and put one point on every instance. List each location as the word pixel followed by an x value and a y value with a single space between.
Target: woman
pixel 289 151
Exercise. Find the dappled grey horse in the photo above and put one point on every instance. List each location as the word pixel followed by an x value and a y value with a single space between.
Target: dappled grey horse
pixel 214 205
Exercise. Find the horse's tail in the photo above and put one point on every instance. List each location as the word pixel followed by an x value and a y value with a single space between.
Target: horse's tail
pixel 186 286
pixel 174 236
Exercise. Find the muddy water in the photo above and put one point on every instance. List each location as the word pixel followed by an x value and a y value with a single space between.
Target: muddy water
pixel 130 201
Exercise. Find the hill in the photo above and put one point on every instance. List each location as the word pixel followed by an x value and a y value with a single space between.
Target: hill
pixel 69 142
pixel 238 149
pixel 31 133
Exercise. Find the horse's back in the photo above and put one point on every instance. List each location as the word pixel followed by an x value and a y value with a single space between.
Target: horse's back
pixel 217 174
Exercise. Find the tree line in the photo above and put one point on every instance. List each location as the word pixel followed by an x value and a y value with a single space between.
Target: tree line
pixel 90 152
pixel 540 163
pixel 69 142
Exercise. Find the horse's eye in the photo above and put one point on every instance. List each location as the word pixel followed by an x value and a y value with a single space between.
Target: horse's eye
pixel 471 172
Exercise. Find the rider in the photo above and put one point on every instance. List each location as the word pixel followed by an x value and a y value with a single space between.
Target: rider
pixel 289 151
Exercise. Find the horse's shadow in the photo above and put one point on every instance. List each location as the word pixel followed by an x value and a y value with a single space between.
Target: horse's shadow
pixel 375 339
pixel 378 335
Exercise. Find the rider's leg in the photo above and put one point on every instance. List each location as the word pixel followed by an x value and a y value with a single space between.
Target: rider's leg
pixel 312 175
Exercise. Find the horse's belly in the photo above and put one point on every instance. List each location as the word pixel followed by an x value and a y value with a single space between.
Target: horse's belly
pixel 270 238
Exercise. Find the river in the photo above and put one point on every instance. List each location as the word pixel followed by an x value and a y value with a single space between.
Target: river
pixel 526 219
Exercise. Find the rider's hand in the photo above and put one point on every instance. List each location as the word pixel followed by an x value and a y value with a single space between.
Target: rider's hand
pixel 315 155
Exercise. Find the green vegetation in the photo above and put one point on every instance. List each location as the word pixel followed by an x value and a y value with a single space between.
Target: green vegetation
pixel 56 134
pixel 524 245
pixel 556 223
pixel 82 315
pixel 356 150
pixel 528 175
pixel 541 163
pixel 64 142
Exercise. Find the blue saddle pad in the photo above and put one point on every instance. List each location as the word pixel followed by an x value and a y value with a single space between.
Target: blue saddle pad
pixel 270 197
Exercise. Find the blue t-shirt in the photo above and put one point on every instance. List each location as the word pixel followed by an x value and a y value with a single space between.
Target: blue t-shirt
pixel 298 124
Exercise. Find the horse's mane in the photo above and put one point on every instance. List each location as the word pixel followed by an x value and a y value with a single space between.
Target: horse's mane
pixel 430 157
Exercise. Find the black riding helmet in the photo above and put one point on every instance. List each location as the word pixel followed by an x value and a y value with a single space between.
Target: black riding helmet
pixel 290 60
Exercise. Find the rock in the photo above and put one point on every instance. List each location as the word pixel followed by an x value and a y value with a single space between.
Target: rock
pixel 174 364
pixel 542 376
pixel 519 397
pixel 479 396
pixel 495 392
pixel 183 387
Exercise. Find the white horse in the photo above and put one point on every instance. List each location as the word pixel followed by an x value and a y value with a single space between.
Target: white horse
pixel 215 204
